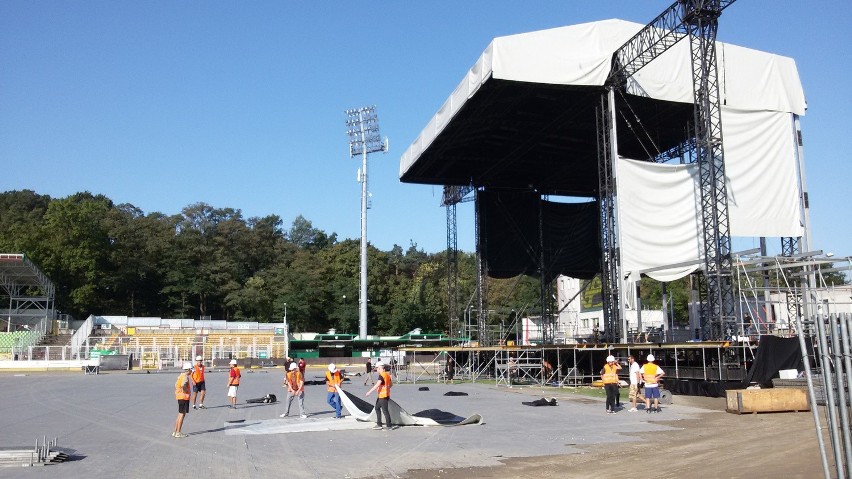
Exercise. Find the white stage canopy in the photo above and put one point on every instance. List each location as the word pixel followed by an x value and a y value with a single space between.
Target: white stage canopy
pixel 659 212
pixel 749 80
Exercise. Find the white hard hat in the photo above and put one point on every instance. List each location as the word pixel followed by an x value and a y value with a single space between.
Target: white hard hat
pixel 651 357
pixel 610 358
pixel 233 362
pixel 198 358
pixel 332 368
pixel 187 366
pixel 294 366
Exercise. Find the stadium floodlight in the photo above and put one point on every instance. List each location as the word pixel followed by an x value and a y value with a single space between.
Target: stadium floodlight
pixel 364 138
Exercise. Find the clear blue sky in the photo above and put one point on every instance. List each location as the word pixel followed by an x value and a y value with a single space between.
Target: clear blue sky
pixel 240 104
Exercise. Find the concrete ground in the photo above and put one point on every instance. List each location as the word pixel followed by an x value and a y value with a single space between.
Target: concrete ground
pixel 119 424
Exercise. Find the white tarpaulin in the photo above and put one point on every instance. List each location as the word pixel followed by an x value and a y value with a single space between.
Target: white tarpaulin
pixel 365 412
pixel 762 173
pixel 658 204
pixel 658 224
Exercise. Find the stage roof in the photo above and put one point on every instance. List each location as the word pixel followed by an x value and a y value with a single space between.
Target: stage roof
pixel 524 115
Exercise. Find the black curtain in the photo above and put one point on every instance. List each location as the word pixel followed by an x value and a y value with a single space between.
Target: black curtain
pixel 773 355
pixel 510 223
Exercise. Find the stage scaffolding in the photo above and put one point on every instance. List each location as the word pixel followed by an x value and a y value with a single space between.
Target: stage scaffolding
pixel 577 364
pixel 775 291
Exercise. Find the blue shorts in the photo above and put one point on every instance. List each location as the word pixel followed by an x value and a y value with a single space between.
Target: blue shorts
pixel 198 387
pixel 652 393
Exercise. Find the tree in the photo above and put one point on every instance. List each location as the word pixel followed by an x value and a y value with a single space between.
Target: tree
pixel 21 219
pixel 75 250
pixel 303 234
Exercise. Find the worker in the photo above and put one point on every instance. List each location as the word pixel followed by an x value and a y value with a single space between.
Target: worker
pixel 635 379
pixel 198 385
pixel 651 374
pixel 383 386
pixel 233 383
pixel 182 396
pixel 368 366
pixel 295 384
pixel 609 375
pixel 334 378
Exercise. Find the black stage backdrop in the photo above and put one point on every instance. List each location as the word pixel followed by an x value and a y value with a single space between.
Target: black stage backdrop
pixel 518 225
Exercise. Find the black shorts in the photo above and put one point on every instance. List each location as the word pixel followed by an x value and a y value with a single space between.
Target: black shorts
pixel 183 406
pixel 198 387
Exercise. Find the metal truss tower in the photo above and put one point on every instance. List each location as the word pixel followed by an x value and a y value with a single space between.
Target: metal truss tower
pixel 610 266
pixel 451 197
pixel 364 138
pixel 698 20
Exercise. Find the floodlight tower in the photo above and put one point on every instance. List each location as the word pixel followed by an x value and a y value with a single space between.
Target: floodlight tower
pixel 364 138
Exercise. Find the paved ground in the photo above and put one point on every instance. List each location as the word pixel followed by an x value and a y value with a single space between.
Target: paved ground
pixel 119 425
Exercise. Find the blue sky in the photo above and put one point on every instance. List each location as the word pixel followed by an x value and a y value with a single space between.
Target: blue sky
pixel 240 104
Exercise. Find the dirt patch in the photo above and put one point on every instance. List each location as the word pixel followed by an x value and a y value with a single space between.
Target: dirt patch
pixel 717 444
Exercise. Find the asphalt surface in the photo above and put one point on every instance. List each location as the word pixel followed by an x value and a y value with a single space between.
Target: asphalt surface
pixel 119 424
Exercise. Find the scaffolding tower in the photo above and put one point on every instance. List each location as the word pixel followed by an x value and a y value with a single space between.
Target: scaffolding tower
pixel 696 20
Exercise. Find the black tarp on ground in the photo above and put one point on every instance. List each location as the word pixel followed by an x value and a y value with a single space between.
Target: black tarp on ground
pixel 361 410
pixel 269 398
pixel 519 226
pixel 541 402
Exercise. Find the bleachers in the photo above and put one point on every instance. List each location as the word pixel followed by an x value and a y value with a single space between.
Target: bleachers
pixel 183 345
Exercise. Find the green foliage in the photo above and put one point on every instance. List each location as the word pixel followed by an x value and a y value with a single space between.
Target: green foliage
pixel 678 292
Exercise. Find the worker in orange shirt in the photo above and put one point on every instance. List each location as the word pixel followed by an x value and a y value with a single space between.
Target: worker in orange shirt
pixel 383 386
pixel 233 383
pixel 295 384
pixel 334 378
pixel 609 375
pixel 198 385
pixel 182 396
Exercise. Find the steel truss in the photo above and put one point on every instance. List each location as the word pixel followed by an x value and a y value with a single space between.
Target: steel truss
pixel 451 197
pixel 481 277
pixel 790 247
pixel 610 266
pixel 698 20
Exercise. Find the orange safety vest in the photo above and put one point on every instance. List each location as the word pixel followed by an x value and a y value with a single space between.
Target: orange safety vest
pixel 234 376
pixel 182 387
pixel 293 379
pixel 331 381
pixel 610 374
pixel 385 385
pixel 650 373
pixel 198 374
